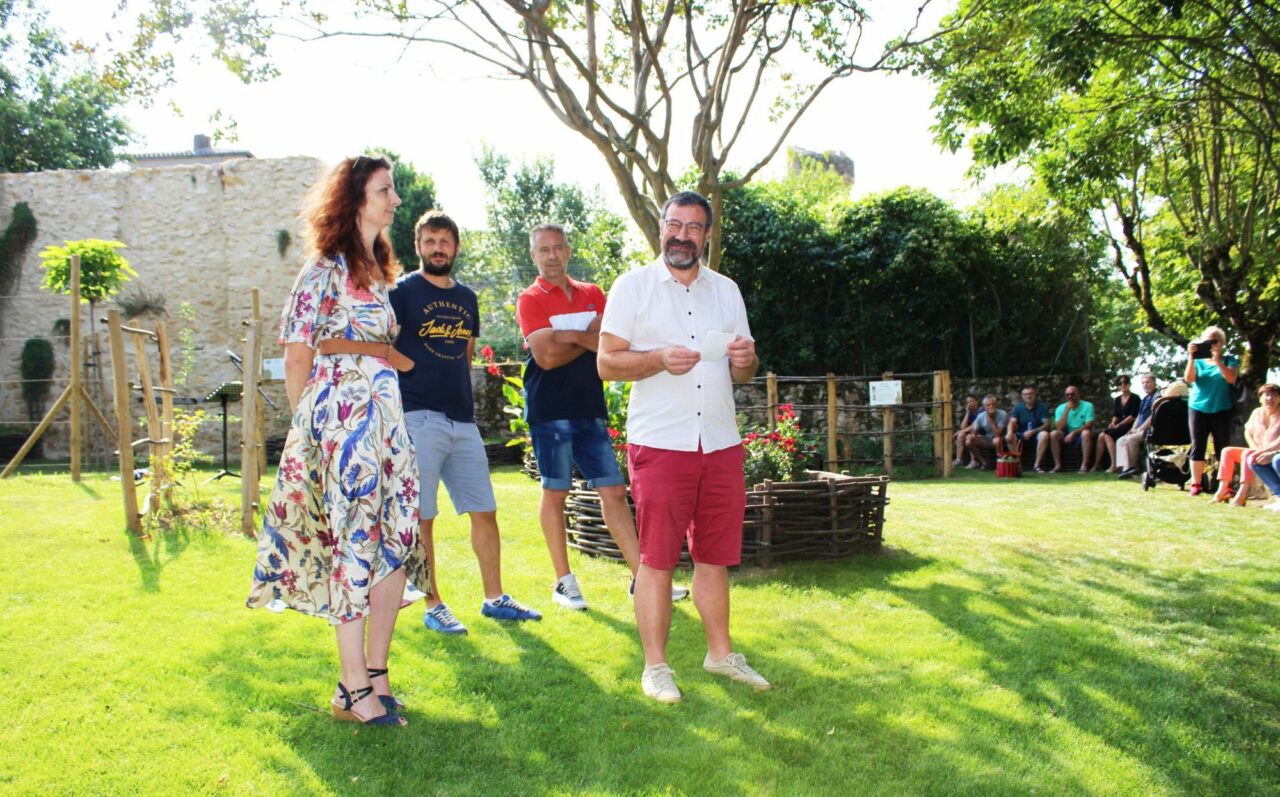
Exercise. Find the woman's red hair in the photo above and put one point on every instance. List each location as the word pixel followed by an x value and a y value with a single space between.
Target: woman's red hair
pixel 331 215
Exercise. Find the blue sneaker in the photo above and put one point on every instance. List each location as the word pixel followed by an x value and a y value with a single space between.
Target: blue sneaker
pixel 442 620
pixel 508 608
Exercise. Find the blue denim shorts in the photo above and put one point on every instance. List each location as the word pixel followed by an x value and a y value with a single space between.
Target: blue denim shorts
pixel 453 453
pixel 559 445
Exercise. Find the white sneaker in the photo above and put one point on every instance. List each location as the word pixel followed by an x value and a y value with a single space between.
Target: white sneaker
pixel 659 682
pixel 568 595
pixel 735 666
pixel 1274 506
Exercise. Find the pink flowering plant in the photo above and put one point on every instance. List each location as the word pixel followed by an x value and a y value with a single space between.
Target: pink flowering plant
pixel 781 455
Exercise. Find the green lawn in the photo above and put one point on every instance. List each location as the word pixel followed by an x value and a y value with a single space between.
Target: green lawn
pixel 1055 635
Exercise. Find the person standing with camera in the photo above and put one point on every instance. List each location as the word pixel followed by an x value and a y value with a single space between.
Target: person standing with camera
pixel 1211 375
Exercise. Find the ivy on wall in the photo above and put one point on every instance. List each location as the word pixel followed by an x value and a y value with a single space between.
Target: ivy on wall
pixel 14 241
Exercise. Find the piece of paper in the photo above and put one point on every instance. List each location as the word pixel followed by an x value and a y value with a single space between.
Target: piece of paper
pixel 577 322
pixel 713 344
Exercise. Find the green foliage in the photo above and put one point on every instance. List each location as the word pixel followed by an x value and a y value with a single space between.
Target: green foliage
pixel 513 392
pixel 617 398
pixel 186 360
pixel 55 112
pixel 1158 116
pixel 138 301
pixel 102 268
pixel 417 195
pixel 901 280
pixel 36 367
pixel 283 238
pixel 17 236
pixel 497 264
pixel 781 455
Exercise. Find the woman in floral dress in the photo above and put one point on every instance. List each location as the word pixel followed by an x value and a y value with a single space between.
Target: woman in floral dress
pixel 340 533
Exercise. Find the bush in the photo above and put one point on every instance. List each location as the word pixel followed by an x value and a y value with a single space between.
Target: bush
pixel 37 369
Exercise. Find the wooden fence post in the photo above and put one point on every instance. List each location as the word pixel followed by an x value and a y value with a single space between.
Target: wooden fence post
pixel 771 397
pixel 250 443
pixel 888 433
pixel 124 422
pixel 166 404
pixel 948 422
pixel 832 421
pixel 935 420
pixel 74 389
pixel 262 405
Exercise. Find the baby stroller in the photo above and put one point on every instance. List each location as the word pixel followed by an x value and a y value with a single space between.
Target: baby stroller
pixel 1168 444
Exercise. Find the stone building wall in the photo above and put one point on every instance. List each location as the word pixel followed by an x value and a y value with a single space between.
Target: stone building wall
pixel 203 234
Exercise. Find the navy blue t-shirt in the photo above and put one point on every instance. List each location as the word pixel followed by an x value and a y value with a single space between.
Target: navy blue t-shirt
pixel 436 324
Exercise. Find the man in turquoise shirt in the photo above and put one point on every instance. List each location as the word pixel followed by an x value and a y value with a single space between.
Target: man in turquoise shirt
pixel 1073 425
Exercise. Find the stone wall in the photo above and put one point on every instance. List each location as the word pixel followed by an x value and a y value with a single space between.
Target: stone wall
pixel 203 234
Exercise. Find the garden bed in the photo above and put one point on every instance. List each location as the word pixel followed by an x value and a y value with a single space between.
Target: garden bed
pixel 828 516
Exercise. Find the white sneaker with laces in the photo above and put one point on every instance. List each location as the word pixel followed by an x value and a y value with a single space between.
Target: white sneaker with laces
pixel 568 595
pixel 659 683
pixel 735 666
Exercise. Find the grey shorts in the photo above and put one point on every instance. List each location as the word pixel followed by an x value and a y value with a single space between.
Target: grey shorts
pixel 451 452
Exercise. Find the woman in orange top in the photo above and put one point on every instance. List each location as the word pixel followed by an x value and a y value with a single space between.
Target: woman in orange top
pixel 1262 433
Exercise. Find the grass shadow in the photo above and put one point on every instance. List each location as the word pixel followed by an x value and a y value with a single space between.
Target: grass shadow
pixel 1205 723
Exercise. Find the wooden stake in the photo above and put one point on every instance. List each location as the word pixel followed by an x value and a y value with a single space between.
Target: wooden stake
pixel 262 405
pixel 124 422
pixel 771 391
pixel 832 420
pixel 888 433
pixel 166 403
pixel 31 441
pixel 948 422
pixel 155 430
pixel 73 389
pixel 250 443
pixel 935 420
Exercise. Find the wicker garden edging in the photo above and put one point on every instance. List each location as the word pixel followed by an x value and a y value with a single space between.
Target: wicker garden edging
pixel 831 516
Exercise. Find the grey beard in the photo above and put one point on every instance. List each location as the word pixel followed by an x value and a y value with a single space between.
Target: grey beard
pixel 693 260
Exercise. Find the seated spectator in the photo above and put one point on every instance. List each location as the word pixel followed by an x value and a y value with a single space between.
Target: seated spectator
pixel 1124 413
pixel 1129 446
pixel 1073 426
pixel 986 434
pixel 1262 433
pixel 1029 421
pixel 966 425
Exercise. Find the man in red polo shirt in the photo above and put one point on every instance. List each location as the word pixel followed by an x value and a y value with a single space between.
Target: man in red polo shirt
pixel 564 405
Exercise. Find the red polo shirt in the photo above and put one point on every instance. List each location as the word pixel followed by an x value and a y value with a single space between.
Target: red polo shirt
pixel 573 390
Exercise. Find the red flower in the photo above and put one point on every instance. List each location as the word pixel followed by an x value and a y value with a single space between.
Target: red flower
pixel 487 353
pixel 614 433
pixel 493 369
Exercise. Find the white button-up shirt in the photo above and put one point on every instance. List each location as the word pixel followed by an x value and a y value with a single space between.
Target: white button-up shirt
pixel 651 309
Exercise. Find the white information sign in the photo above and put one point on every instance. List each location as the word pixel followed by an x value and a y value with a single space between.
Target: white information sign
pixel 885 394
pixel 273 368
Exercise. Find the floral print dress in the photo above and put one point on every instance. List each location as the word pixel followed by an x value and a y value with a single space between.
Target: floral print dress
pixel 344 511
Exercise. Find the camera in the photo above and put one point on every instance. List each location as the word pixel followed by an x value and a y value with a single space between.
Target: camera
pixel 1204 348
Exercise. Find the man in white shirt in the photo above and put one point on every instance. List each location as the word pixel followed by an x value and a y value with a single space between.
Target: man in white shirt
pixel 679 331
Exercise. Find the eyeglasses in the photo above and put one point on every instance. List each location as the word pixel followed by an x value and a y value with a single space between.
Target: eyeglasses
pixel 674 227
pixel 361 162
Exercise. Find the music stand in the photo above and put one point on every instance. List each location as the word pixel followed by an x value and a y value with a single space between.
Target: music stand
pixel 225 393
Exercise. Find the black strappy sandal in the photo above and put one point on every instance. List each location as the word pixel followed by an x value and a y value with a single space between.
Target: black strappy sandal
pixel 390 702
pixel 349 699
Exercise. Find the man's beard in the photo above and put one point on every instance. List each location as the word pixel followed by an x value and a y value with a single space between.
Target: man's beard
pixel 680 257
pixel 437 269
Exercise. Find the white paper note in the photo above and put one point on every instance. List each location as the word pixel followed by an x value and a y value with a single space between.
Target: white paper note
pixel 577 322
pixel 713 344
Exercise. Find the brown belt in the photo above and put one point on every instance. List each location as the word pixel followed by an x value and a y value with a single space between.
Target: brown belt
pixel 384 350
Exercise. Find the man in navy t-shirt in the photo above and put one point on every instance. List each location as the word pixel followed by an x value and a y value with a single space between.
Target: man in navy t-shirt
pixel 439 320
pixel 564 405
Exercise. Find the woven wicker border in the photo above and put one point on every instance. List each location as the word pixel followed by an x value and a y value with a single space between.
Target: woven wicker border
pixel 831 516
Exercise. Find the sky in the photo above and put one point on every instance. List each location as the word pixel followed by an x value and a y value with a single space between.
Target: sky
pixel 437 110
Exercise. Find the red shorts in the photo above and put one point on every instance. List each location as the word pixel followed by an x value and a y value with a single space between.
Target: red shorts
pixel 688 494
